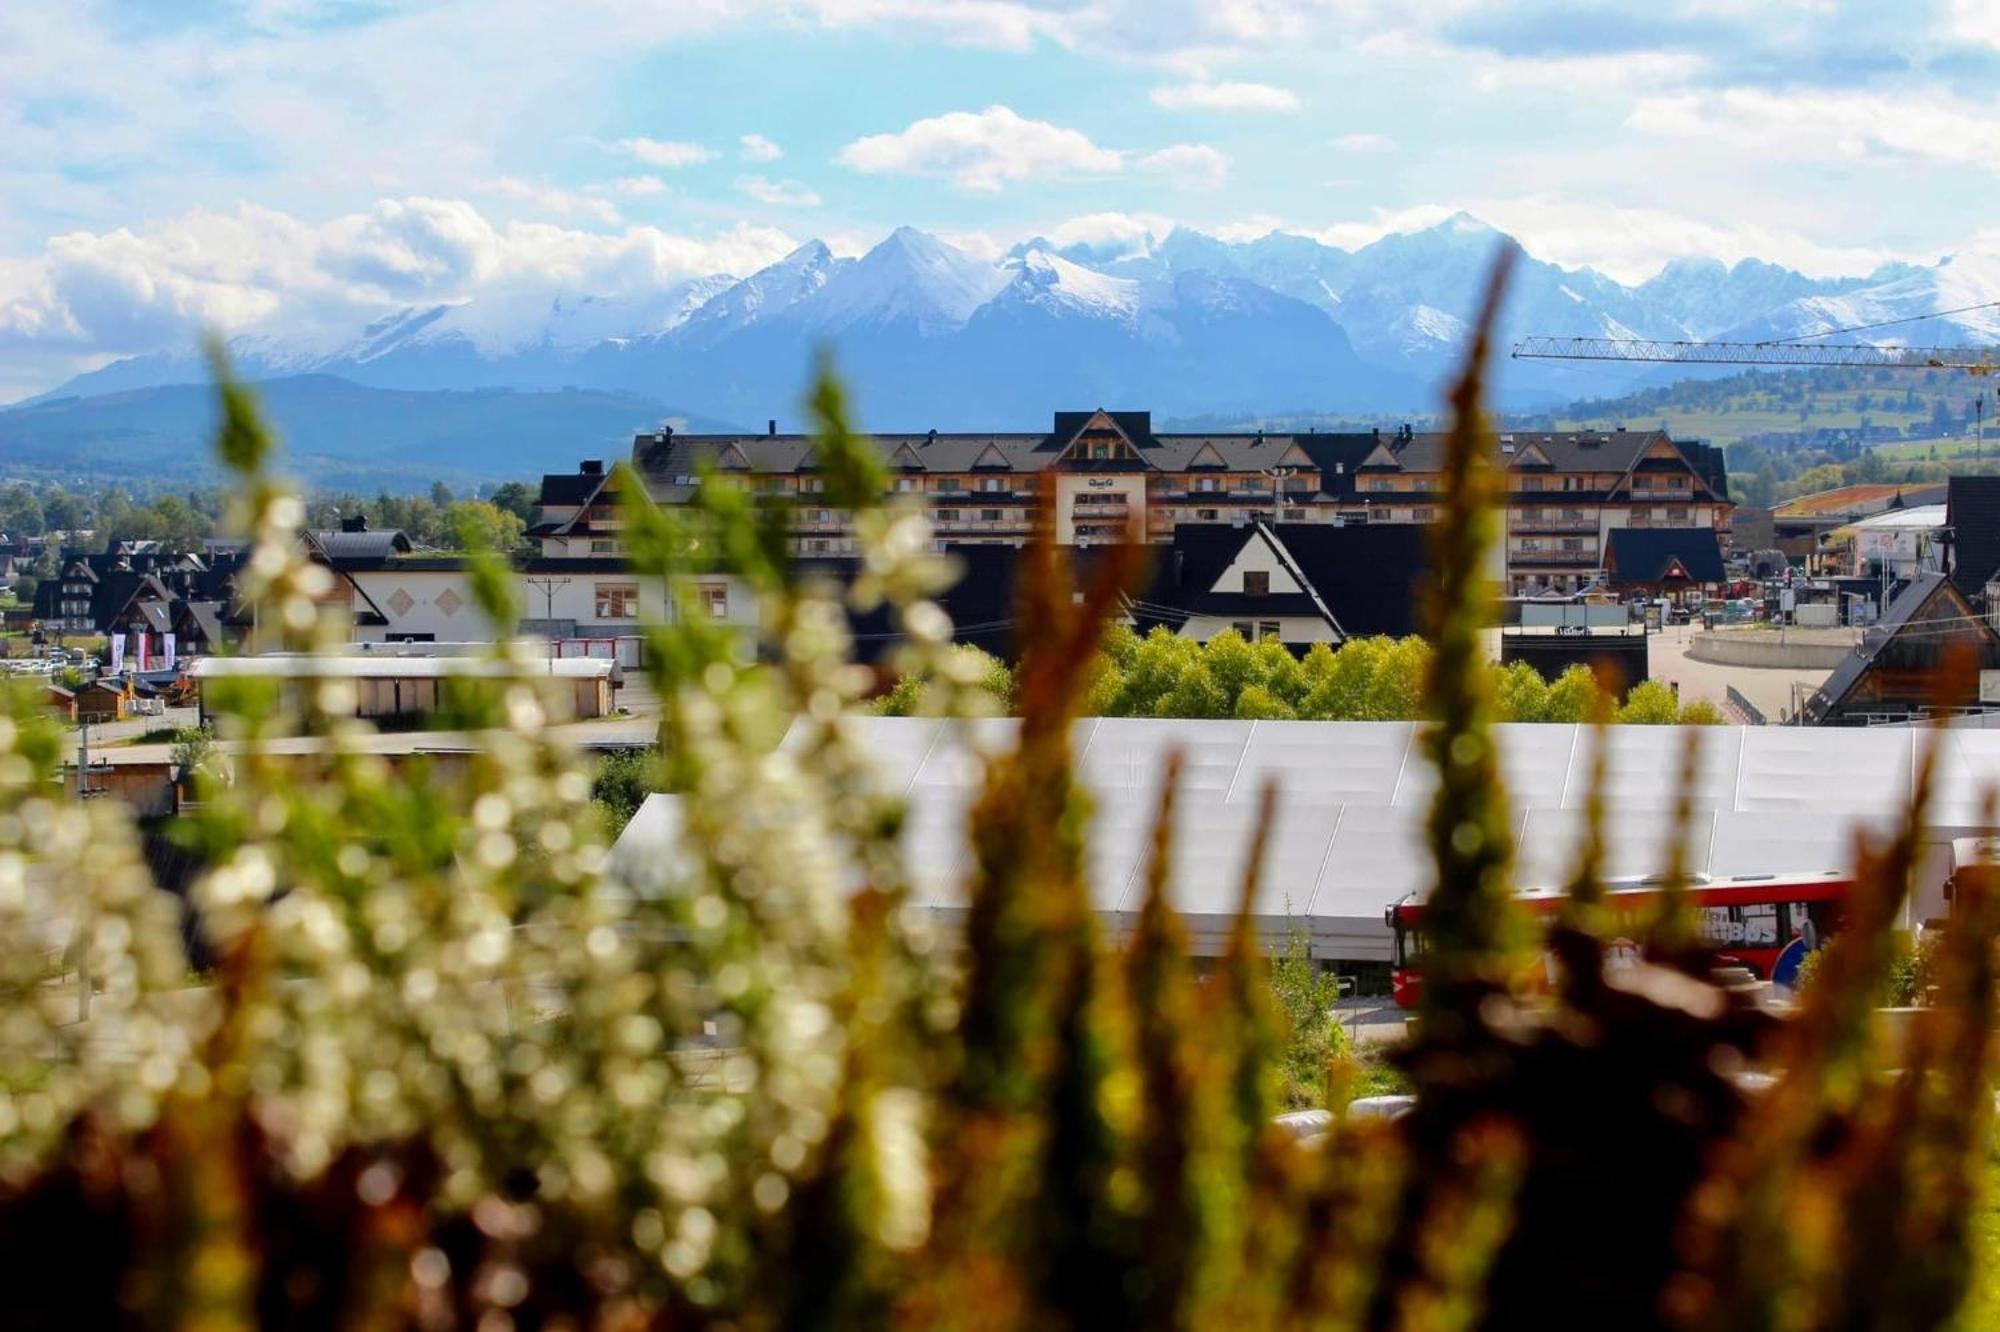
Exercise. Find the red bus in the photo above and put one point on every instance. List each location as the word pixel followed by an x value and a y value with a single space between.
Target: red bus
pixel 1767 923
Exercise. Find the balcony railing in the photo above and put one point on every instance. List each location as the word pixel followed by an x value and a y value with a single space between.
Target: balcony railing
pixel 1516 524
pixel 1568 558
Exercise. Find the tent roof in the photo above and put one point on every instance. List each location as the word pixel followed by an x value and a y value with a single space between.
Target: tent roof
pixel 1349 838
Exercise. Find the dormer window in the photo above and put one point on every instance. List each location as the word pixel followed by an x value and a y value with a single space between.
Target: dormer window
pixel 1256 583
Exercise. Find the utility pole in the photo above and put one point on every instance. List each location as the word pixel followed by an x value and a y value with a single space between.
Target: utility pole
pixel 547 585
pixel 1279 475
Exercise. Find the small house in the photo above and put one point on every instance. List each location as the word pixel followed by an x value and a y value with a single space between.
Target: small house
pixel 1899 669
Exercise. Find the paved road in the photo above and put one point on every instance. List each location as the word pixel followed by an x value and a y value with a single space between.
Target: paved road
pixel 1770 688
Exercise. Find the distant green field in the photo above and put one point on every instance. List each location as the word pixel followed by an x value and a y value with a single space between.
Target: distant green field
pixel 1732 423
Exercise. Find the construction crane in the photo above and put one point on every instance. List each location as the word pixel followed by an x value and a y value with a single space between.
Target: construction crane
pixel 1972 360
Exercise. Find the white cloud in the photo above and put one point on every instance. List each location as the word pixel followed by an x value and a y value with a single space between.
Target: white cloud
pixel 1190 166
pixel 1109 236
pixel 1201 96
pixel 1253 227
pixel 639 186
pixel 553 201
pixel 778 193
pixel 665 152
pixel 1365 143
pixel 757 148
pixel 93 294
pixel 981 151
pixel 1833 126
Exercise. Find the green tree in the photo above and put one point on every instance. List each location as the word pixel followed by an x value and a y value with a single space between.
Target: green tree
pixel 1521 694
pixel 1650 704
pixel 517 499
pixel 482 525
pixel 1256 703
pixel 1572 697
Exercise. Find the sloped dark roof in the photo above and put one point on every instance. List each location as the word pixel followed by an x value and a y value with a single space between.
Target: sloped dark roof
pixel 1650 554
pixel 1338 458
pixel 1902 608
pixel 570 487
pixel 340 547
pixel 1370 575
pixel 981 603
pixel 1972 512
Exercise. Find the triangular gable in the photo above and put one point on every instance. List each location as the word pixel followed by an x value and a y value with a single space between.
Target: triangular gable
pixel 808 461
pixel 1206 456
pixel 1381 456
pixel 1297 571
pixel 1098 421
pixel 906 458
pixel 1674 569
pixel 1531 455
pixel 991 457
pixel 733 458
pixel 1296 457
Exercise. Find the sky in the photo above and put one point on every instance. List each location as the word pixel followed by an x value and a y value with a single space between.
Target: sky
pixel 295 168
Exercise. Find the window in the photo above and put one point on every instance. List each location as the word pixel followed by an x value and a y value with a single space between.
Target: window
pixel 989 515
pixel 951 485
pixel 617 601
pixel 1256 583
pixel 947 515
pixel 1381 487
pixel 1572 543
pixel 812 485
pixel 816 546
pixel 906 484
pixel 602 547
pixel 1207 515
pixel 1677 482
pixel 715 599
pixel 1245 629
pixel 1267 629
pixel 1208 485
pixel 1531 483
pixel 1424 515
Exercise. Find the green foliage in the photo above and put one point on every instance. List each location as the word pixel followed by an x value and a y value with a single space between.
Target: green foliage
pixel 1650 704
pixel 1315 1050
pixel 927 695
pixel 623 780
pixel 483 525
pixel 194 750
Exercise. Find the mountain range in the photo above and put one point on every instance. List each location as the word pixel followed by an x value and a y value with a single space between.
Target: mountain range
pixel 930 335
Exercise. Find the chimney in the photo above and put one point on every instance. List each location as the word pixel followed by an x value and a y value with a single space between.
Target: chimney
pixel 1375 433
pixel 591 467
pixel 771 426
pixel 930 437
pixel 665 433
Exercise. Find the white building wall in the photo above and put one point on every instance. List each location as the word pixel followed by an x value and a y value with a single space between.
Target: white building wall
pixel 1291 628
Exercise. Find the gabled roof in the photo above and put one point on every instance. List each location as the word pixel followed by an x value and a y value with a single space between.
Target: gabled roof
pixel 1369 575
pixel 1925 600
pixel 1661 554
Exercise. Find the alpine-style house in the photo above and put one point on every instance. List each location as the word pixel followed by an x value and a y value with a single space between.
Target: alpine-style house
pixel 1110 472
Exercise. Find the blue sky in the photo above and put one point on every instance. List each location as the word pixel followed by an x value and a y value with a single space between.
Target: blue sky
pixel 293 167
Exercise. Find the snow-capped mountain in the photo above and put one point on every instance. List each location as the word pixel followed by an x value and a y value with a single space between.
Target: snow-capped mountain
pixel 931 335
pixel 1904 293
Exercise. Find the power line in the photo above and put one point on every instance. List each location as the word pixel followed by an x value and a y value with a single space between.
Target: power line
pixel 1886 323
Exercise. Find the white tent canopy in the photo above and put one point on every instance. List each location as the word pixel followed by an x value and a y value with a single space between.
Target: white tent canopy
pixel 1349 837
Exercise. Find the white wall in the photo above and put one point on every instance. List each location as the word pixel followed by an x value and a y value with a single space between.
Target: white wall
pixel 1291 628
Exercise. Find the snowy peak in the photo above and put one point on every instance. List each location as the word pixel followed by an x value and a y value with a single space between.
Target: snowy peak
pixel 765 294
pixel 1048 281
pixel 910 278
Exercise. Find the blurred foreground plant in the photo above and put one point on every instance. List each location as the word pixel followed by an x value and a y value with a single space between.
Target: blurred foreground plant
pixel 453 1068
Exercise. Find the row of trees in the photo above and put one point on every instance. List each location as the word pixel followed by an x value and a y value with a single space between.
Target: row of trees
pixel 180 521
pixel 1364 679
